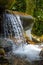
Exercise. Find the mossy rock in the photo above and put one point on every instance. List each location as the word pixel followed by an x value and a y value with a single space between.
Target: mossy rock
pixel 6 3
pixel 2 52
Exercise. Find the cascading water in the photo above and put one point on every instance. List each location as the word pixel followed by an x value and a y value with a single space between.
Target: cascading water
pixel 12 27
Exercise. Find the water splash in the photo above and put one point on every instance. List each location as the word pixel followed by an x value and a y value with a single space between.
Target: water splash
pixel 29 52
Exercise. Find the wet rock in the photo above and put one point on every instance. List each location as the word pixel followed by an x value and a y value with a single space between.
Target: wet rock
pixel 41 53
pixel 20 61
pixel 27 21
pixel 38 62
pixel 6 44
pixel 5 51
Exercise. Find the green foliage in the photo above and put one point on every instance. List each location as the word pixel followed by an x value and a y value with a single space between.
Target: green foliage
pixel 38 10
pixel 38 27
pixel 19 5
pixel 30 5
pixel 38 14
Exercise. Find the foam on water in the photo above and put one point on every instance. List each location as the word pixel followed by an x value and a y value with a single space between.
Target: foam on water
pixel 29 52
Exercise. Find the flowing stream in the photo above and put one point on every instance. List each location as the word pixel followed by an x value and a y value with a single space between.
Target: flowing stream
pixel 12 26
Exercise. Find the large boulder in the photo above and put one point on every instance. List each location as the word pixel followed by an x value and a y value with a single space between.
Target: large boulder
pixel 27 21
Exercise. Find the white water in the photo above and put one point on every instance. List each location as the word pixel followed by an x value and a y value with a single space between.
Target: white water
pixel 29 52
pixel 13 27
pixel 28 32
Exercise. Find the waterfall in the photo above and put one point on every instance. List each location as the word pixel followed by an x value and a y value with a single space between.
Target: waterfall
pixel 12 26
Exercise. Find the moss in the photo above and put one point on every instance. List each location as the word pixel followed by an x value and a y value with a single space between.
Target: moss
pixel 38 27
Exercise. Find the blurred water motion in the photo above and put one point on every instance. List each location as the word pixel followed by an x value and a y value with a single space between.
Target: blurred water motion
pixel 12 28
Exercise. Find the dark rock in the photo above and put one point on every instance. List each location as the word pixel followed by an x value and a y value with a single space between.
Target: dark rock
pixel 38 62
pixel 20 61
pixel 5 51
pixel 41 53
pixel 27 21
